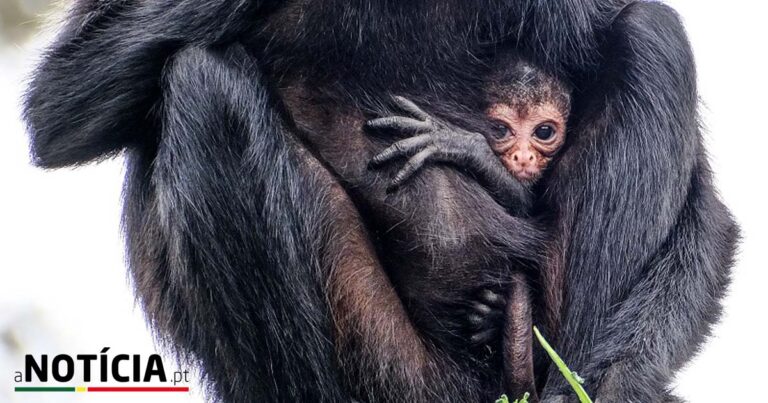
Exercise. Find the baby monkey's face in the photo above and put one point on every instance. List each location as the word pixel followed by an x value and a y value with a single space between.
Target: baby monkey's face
pixel 526 137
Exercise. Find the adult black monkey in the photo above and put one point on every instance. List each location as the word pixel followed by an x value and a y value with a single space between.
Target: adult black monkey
pixel 258 239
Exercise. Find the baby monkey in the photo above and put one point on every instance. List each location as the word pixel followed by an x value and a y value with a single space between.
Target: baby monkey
pixel 528 118
pixel 525 124
pixel 525 117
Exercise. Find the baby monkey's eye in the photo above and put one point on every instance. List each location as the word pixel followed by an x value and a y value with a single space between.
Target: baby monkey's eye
pixel 499 131
pixel 544 132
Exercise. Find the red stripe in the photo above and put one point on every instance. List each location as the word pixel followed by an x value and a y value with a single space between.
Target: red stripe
pixel 137 389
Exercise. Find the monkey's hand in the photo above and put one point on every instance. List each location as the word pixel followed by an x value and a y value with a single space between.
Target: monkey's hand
pixel 437 141
pixel 485 320
pixel 434 141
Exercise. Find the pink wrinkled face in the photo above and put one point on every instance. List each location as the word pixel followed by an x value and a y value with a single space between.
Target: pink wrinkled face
pixel 527 138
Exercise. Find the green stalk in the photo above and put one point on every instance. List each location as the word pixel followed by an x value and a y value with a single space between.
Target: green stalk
pixel 569 375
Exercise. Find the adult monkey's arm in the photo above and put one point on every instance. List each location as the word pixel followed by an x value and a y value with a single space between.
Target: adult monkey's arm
pixel 98 83
pixel 104 86
pixel 646 244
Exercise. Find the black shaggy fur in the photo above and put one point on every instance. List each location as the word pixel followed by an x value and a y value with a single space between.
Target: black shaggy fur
pixel 262 248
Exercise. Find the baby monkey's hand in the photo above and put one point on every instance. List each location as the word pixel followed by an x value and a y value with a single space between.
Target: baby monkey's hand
pixel 437 141
pixel 433 141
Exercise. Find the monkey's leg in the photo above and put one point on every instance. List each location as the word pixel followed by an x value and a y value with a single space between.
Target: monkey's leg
pixel 384 357
pixel 669 313
pixel 518 340
pixel 646 244
pixel 223 221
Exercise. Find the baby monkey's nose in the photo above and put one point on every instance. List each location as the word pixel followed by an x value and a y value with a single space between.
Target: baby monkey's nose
pixel 523 157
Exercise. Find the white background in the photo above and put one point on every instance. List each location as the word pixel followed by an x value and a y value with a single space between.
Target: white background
pixel 63 284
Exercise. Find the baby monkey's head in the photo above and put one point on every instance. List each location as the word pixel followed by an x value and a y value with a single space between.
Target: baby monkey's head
pixel 528 109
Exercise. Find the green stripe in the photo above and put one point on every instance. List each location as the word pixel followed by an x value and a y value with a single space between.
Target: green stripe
pixel 45 389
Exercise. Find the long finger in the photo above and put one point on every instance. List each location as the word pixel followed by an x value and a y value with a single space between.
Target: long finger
pixel 476 321
pixel 410 107
pixel 400 123
pixel 401 148
pixel 413 165
pixel 493 299
pixel 481 308
pixel 484 337
pixel 485 311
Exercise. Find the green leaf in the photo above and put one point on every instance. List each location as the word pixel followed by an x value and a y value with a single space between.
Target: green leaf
pixel 505 399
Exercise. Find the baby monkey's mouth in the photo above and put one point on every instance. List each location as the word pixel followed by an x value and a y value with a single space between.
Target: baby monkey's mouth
pixel 527 176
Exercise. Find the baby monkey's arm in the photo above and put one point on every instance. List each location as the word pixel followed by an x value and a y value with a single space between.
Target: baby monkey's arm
pixel 437 141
